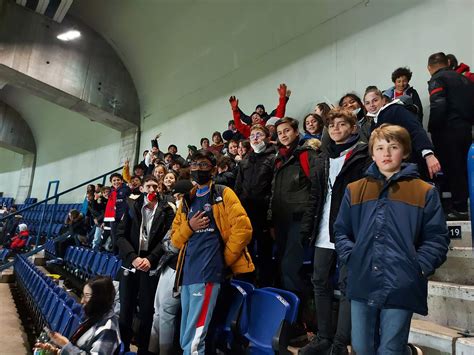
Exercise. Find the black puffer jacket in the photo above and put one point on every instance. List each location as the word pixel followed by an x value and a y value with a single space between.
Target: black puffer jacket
pixel 254 178
pixel 128 231
pixel 451 101
pixel 293 192
pixel 357 162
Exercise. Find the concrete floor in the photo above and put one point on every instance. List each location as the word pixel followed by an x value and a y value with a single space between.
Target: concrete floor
pixel 13 340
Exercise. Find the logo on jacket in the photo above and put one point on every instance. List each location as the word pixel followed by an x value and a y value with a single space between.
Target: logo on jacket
pixel 207 207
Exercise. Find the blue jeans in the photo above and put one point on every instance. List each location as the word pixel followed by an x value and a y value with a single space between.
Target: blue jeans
pixel 380 331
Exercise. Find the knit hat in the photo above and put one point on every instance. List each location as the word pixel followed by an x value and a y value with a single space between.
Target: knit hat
pixel 22 227
pixel 272 121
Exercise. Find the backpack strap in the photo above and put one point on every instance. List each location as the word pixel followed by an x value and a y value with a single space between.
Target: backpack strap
pixel 304 162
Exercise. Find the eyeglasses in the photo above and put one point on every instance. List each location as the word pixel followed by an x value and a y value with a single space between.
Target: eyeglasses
pixel 257 135
pixel 200 165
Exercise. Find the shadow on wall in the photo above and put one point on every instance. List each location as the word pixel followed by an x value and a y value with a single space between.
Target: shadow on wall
pixel 59 133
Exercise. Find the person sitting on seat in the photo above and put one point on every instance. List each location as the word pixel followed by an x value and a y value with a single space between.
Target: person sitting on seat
pixel 21 238
pixel 99 332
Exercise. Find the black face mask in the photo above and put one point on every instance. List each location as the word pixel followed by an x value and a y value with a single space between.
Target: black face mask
pixel 201 177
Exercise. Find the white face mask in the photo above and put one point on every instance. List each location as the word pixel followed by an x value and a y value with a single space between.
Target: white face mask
pixel 258 148
pixel 356 111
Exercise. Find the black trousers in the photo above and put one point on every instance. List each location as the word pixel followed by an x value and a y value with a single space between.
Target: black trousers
pixel 261 245
pixel 137 289
pixel 324 267
pixel 451 148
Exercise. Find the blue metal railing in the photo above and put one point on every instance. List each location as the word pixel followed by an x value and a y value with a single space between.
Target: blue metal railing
pixel 44 202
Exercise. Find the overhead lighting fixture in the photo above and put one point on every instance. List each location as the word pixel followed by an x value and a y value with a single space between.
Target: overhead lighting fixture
pixel 69 35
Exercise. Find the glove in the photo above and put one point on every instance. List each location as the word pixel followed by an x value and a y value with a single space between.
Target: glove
pixel 282 90
pixel 234 103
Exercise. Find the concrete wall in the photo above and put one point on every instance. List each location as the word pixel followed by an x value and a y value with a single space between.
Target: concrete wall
pixel 246 51
pixel 10 165
pixel 69 147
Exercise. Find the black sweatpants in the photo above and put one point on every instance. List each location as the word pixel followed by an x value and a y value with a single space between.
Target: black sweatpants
pixel 137 289
pixel 451 148
pixel 324 267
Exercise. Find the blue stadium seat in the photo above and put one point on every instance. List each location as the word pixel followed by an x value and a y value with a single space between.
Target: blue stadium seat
pixel 267 314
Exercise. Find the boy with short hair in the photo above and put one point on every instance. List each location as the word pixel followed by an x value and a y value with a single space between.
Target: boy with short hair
pixel 344 161
pixel 212 230
pixel 391 234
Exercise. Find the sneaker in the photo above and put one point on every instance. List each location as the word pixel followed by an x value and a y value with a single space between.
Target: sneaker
pixel 454 215
pixel 415 350
pixel 317 346
pixel 57 261
pixel 337 349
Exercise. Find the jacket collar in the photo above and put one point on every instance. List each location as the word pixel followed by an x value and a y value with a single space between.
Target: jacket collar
pixel 408 170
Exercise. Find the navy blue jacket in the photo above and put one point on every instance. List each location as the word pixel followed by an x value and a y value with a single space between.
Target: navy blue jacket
pixel 391 235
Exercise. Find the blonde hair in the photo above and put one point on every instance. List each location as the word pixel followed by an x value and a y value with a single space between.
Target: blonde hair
pixel 391 133
pixel 313 143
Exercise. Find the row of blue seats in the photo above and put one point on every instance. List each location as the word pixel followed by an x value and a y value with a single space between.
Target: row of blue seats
pixel 33 216
pixel 255 320
pixel 48 304
pixel 6 201
pixel 86 263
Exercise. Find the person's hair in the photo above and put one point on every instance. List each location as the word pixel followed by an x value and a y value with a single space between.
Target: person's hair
pixel 145 152
pixel 151 178
pixel 115 175
pixel 391 133
pixel 173 146
pixel 318 118
pixel 231 122
pixel 325 108
pixel 99 186
pixel 102 298
pixel 399 72
pixel 346 115
pixel 373 89
pixel 204 139
pixel 90 187
pixel 232 141
pixel 135 177
pixel 75 214
pixel 173 173
pixel 353 96
pixel 167 155
pixel 138 166
pixel 245 143
pixel 204 154
pixel 291 121
pixel 184 174
pixel 453 61
pixel 225 162
pixel 218 134
pixel 259 127
pixel 105 188
pixel 176 162
pixel 438 59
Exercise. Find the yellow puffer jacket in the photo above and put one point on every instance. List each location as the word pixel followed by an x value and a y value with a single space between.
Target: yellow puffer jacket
pixel 232 222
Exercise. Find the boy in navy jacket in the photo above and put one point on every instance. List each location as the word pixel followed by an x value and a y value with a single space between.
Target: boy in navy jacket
pixel 391 234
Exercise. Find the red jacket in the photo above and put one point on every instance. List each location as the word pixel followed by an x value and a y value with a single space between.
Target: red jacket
pixel 244 129
pixel 464 69
pixel 19 240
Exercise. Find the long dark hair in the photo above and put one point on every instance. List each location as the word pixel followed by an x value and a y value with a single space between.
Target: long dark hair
pixel 100 303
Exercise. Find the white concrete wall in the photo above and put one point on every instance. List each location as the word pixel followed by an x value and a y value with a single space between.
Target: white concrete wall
pixel 70 148
pixel 10 166
pixel 235 55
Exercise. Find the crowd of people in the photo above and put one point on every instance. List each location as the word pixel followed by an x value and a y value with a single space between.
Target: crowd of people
pixel 356 185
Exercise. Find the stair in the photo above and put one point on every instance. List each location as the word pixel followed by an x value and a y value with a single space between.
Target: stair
pixel 450 300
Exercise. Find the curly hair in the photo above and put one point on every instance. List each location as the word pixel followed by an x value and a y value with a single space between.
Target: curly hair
pixel 399 72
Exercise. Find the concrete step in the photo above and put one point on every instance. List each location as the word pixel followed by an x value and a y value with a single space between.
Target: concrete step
pixel 432 338
pixel 462 238
pixel 465 346
pixel 458 268
pixel 7 276
pixel 450 305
